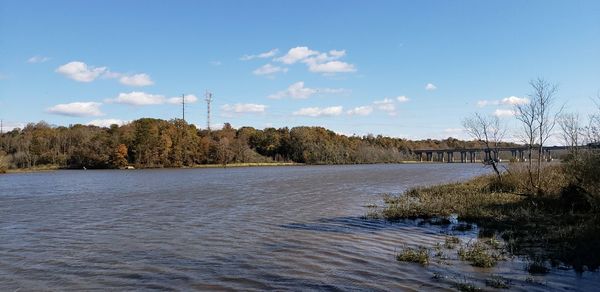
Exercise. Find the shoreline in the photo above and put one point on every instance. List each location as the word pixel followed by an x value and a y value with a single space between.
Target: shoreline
pixel 230 165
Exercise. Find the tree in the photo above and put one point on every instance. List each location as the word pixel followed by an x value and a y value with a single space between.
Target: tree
pixel 527 114
pixel 488 130
pixel 120 156
pixel 571 129
pixel 546 116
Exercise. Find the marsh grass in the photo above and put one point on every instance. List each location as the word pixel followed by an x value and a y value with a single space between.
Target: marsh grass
pixel 450 242
pixel 414 255
pixel 541 225
pixel 480 255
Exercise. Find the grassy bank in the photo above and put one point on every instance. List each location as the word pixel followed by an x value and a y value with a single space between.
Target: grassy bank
pixel 558 226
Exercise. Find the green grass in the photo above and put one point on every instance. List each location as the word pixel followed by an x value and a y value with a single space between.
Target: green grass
pixel 414 255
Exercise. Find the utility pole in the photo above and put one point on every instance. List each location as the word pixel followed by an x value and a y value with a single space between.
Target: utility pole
pixel 1 127
pixel 208 97
pixel 183 106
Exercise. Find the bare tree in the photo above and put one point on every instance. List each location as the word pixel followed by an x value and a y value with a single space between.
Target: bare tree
pixel 544 99
pixel 488 130
pixel 592 131
pixel 526 113
pixel 571 131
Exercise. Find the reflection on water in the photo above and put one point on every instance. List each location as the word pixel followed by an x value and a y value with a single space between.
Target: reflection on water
pixel 262 228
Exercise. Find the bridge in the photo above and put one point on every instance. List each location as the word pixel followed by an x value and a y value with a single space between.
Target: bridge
pixel 482 154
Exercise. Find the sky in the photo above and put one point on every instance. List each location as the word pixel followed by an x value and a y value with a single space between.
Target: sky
pixel 411 69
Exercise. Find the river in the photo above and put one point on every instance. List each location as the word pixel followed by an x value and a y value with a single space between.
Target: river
pixel 263 228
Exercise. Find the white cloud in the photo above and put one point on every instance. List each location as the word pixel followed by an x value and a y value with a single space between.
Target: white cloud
pixel 243 108
pixel 80 71
pixel 511 100
pixel 361 111
pixel 76 109
pixel 107 122
pixel 136 80
pixel 216 63
pixel 296 54
pixel 37 59
pixel 514 100
pixel 298 91
pixel 504 113
pixel 430 87
pixel 319 112
pixel 386 105
pixel 189 98
pixel 137 98
pixel 269 69
pixel 264 55
pixel 402 98
pixel 9 126
pixel 317 62
pixel 331 67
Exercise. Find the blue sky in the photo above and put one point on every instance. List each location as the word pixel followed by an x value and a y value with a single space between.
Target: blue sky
pixel 410 69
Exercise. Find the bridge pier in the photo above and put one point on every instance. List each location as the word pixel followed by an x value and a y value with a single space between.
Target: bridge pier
pixel 521 155
pixel 429 156
pixel 472 156
pixel 440 156
pixel 450 156
pixel 513 154
pixel 463 157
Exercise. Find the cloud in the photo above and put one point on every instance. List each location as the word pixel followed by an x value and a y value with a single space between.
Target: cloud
pixel 37 59
pixel 298 91
pixel 106 122
pixel 138 98
pixel 331 67
pixel 76 109
pixel 269 69
pixel 189 98
pixel 243 108
pixel 386 105
pixel 430 87
pixel 319 112
pixel 264 55
pixel 136 80
pixel 513 100
pixel 317 62
pixel 402 98
pixel 504 113
pixel 360 111
pixel 296 54
pixel 216 63
pixel 80 71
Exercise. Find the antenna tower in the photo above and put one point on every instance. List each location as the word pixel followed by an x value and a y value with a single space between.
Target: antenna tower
pixel 208 97
pixel 183 106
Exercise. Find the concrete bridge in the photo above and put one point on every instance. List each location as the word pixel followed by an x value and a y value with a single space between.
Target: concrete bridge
pixel 481 154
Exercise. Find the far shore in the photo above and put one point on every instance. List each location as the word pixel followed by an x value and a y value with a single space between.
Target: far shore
pixel 47 168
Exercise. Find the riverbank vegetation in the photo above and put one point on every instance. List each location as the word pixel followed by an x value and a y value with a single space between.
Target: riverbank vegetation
pixel 147 143
pixel 560 224
pixel 548 212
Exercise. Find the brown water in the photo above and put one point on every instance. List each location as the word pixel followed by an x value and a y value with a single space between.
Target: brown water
pixel 267 228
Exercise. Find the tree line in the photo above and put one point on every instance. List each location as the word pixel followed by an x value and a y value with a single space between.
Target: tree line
pixel 151 143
